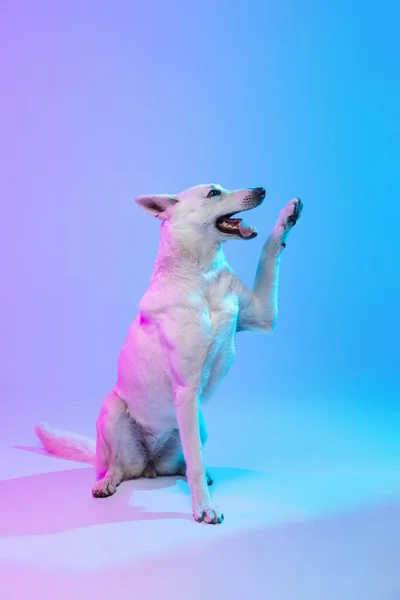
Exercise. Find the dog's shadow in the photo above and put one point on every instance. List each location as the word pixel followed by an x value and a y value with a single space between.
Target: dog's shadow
pixel 60 501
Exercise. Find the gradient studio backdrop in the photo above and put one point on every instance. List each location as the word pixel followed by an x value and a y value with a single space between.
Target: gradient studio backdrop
pixel 104 101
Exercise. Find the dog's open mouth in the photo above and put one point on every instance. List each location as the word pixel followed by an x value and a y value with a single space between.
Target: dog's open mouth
pixel 227 224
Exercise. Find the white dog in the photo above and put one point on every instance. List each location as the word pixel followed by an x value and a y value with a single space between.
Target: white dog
pixel 182 343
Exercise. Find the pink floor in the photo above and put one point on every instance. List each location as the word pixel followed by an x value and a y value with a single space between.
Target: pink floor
pixel 303 527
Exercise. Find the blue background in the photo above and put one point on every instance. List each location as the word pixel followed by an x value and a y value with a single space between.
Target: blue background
pixel 102 102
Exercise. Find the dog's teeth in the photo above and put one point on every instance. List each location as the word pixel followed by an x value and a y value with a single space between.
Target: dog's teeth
pixel 228 225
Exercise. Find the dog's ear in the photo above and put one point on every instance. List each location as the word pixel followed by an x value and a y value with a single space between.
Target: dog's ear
pixel 156 205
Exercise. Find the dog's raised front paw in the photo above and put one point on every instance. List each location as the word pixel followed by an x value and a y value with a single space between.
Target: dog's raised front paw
pixel 208 512
pixel 288 219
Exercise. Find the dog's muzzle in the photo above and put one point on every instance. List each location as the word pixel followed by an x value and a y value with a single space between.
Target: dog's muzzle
pixel 260 191
pixel 237 227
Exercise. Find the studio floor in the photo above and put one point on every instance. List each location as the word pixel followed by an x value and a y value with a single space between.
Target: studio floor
pixel 318 520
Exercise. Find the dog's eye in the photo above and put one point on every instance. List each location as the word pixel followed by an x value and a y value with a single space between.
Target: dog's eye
pixel 212 193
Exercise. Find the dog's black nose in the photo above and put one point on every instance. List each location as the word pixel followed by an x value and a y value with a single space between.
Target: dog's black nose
pixel 260 191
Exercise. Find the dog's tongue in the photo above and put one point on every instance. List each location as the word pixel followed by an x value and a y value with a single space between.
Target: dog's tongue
pixel 245 230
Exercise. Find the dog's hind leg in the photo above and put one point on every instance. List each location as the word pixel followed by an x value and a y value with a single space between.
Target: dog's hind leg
pixel 120 449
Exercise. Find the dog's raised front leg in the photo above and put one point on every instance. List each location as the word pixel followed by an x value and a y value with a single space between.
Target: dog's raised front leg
pixel 188 415
pixel 258 310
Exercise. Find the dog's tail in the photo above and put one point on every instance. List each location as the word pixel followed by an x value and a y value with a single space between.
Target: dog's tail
pixel 67 445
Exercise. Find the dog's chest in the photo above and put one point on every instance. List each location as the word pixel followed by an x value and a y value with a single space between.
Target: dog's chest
pixel 222 302
pixel 222 309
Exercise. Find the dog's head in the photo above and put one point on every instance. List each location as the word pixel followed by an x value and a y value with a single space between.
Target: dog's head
pixel 206 210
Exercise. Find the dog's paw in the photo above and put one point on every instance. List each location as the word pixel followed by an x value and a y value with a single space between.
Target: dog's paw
pixel 103 489
pixel 207 512
pixel 288 218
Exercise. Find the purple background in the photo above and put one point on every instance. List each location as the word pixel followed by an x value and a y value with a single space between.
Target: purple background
pixel 104 101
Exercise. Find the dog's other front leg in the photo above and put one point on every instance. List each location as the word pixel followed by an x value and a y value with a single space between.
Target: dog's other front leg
pixel 259 308
pixel 188 415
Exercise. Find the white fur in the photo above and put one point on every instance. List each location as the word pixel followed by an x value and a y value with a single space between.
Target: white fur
pixel 180 345
pixel 67 445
